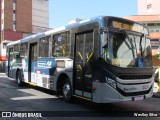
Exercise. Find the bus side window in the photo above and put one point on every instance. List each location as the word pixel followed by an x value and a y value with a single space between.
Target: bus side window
pixel 24 55
pixel 44 47
pixel 24 50
pixel 61 45
pixel 16 59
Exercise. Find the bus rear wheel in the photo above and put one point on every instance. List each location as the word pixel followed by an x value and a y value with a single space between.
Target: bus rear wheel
pixel 19 79
pixel 67 91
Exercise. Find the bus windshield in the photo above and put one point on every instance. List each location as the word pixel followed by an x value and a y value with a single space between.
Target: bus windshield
pixel 128 50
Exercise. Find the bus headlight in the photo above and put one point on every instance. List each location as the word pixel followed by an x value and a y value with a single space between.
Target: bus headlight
pixel 111 82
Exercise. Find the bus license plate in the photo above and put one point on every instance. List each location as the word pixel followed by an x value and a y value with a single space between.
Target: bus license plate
pixel 139 98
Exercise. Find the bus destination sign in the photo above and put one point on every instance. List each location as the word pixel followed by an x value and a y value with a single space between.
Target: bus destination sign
pixel 128 26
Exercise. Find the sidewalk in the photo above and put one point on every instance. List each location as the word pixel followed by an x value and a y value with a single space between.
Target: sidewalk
pixel 2 74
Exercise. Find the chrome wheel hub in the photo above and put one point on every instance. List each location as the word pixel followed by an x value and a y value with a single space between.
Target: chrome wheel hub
pixel 66 90
pixel 18 79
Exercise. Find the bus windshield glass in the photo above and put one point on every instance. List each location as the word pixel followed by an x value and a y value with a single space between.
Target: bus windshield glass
pixel 128 50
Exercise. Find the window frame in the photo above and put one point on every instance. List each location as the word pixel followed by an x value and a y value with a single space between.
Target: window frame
pixel 24 50
pixel 67 42
pixel 46 38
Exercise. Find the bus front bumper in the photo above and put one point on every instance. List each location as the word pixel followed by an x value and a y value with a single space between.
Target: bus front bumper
pixel 106 93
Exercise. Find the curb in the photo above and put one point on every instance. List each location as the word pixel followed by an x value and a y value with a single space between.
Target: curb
pixel 2 74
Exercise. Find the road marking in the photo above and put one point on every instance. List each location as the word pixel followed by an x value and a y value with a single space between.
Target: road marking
pixel 34 95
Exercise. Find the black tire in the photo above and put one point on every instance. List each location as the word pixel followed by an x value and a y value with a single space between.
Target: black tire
pixel 67 91
pixel 19 79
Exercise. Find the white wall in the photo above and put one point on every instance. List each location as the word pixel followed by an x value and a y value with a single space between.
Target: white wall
pixel 40 13
pixel 154 9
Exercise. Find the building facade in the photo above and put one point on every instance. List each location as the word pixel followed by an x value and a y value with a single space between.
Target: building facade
pixel 40 16
pixel 148 7
pixel 153 24
pixel 20 18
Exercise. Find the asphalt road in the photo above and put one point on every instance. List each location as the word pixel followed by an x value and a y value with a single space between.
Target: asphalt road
pixel 29 102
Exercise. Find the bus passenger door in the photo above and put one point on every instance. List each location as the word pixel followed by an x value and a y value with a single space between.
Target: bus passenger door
pixel 10 61
pixel 32 62
pixel 83 65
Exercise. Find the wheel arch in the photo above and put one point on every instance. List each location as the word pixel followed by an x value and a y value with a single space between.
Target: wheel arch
pixel 60 81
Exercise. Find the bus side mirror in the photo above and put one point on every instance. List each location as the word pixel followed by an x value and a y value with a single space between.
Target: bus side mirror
pixel 104 40
pixel 104 36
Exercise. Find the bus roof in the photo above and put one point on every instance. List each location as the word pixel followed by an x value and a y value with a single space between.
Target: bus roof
pixel 99 19
pixel 47 33
pixel 31 37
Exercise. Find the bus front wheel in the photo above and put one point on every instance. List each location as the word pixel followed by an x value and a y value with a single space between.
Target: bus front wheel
pixel 19 79
pixel 67 91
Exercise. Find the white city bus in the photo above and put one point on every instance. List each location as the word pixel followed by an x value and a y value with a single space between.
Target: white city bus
pixel 103 59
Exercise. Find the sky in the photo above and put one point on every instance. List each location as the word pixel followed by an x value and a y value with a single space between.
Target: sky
pixel 63 11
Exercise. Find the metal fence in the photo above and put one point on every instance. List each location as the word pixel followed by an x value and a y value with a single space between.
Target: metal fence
pixel 2 67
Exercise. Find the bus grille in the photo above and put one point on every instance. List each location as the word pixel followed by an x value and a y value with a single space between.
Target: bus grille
pixel 132 77
pixel 134 93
